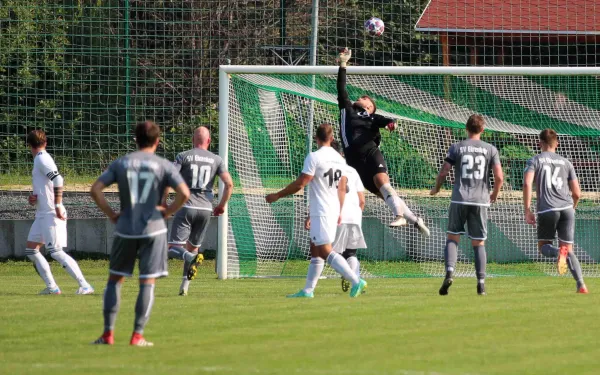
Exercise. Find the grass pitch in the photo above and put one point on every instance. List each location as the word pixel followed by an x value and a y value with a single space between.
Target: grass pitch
pixel 532 325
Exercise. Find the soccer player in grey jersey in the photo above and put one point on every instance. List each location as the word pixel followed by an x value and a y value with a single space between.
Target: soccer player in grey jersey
pixel 554 177
pixel 140 226
pixel 198 167
pixel 473 160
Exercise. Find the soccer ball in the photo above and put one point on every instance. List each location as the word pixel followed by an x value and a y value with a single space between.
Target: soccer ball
pixel 374 26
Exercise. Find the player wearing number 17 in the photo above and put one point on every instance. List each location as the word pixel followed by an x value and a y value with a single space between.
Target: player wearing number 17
pixel 325 171
pixel 554 178
pixel 472 160
pixel 140 228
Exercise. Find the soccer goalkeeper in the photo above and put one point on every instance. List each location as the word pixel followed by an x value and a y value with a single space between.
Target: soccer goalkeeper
pixel 359 132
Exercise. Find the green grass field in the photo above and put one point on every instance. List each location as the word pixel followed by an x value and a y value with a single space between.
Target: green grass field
pixel 535 325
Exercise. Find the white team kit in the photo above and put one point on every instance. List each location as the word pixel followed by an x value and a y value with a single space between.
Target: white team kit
pixel 327 167
pixel 349 233
pixel 46 228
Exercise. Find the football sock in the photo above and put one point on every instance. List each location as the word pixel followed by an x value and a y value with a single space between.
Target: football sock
pixel 338 263
pixel 112 302
pixel 354 265
pixel 575 268
pixel 315 268
pixel 143 306
pixel 397 205
pixel 42 266
pixel 181 253
pixel 549 251
pixel 185 283
pixel 450 255
pixel 70 265
pixel 480 262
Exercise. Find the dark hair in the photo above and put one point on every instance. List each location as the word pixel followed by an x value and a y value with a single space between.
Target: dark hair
pixel 324 132
pixel 146 134
pixel 372 101
pixel 549 137
pixel 475 124
pixel 36 138
pixel 336 146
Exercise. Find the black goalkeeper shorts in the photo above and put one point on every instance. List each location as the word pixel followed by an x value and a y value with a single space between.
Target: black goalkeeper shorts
pixel 367 164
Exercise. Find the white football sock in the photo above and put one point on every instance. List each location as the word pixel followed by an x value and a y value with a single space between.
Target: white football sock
pixel 185 284
pixel 396 204
pixel 315 268
pixel 354 264
pixel 71 266
pixel 42 266
pixel 338 263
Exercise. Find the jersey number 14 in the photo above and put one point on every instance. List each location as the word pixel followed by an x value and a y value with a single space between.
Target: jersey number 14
pixel 552 178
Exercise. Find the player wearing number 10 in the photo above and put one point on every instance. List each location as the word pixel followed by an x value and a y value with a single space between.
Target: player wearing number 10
pixel 140 228
pixel 198 167
pixel 472 160
pixel 554 178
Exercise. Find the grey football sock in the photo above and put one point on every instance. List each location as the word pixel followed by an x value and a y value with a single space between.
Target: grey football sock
pixel 143 307
pixel 480 261
pixel 450 255
pixel 112 301
pixel 575 268
pixel 177 253
pixel 549 251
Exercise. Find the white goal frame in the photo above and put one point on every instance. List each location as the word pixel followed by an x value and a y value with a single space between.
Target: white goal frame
pixel 226 70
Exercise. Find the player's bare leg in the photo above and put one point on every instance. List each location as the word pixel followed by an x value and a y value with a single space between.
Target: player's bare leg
pixel 401 211
pixel 450 258
pixel 42 267
pixel 112 302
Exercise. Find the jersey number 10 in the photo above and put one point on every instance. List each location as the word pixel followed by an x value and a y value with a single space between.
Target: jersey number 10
pixel 200 182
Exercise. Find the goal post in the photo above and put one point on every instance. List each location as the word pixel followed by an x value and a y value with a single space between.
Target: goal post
pixel 263 134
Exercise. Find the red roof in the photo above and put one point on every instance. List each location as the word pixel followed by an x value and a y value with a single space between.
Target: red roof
pixel 564 17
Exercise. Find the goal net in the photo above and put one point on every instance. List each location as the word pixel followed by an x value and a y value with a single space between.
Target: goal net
pixel 267 121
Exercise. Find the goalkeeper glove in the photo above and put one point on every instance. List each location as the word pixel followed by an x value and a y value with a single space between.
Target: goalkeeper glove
pixel 344 57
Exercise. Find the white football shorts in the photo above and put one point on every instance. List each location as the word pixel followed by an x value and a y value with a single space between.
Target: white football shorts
pixel 349 236
pixel 322 229
pixel 50 231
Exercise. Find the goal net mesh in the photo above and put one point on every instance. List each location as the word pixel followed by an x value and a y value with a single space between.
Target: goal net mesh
pixel 269 119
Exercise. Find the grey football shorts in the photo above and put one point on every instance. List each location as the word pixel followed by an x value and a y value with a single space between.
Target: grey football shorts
pixel 189 225
pixel 474 216
pixel 152 252
pixel 551 222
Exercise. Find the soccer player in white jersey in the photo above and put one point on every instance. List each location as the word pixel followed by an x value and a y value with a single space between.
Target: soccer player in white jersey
pixel 324 171
pixel 50 225
pixel 349 236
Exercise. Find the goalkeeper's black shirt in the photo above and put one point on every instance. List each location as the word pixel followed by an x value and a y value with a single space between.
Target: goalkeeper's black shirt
pixel 359 131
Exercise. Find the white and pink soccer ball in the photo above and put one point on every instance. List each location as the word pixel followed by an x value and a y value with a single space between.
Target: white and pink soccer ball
pixel 374 26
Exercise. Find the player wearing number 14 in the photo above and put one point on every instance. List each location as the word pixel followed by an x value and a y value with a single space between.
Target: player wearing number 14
pixel 472 160
pixel 554 178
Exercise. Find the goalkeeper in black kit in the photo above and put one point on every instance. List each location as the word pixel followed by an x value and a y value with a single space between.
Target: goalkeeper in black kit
pixel 359 132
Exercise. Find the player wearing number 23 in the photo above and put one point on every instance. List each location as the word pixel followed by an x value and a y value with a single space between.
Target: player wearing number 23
pixel 473 160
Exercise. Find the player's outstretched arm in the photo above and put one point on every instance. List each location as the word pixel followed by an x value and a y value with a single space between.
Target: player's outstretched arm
pixel 343 98
pixel 441 178
pixel 97 194
pixel 384 122
pixel 498 181
pixel 299 184
pixel 527 192
pixel 227 191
